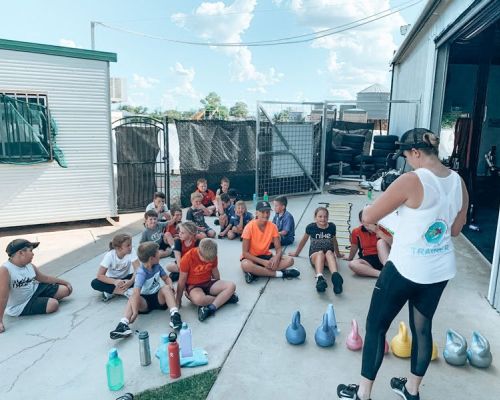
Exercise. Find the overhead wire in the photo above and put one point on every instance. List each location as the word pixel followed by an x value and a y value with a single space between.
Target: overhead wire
pixel 275 42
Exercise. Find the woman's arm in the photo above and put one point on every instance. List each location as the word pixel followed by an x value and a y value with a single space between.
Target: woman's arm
pixel 407 189
pixel 461 217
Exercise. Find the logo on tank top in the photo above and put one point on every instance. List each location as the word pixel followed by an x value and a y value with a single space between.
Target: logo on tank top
pixel 435 233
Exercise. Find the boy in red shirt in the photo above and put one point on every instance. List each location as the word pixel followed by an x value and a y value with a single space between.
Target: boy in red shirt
pixel 200 277
pixel 373 245
pixel 208 200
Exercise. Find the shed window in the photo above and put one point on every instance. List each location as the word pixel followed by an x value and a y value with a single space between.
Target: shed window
pixel 25 128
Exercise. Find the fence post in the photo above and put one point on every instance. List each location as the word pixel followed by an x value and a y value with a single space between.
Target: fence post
pixel 323 149
pixel 166 160
pixel 257 131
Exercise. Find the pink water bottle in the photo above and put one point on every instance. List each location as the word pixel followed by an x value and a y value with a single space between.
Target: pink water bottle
pixel 174 361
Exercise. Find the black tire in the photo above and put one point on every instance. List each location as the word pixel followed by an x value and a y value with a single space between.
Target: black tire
pixel 380 153
pixel 385 139
pixel 357 146
pixel 353 139
pixel 362 157
pixel 346 157
pixel 384 146
pixel 342 149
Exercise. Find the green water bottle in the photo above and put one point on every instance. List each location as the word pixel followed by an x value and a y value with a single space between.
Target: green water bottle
pixel 370 193
pixel 266 197
pixel 114 371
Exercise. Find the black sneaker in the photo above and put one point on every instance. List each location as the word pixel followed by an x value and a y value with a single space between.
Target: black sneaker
pixel 233 299
pixel 216 222
pixel 249 278
pixel 337 282
pixel 204 312
pixel 348 391
pixel 176 321
pixel 122 330
pixel 290 273
pixel 398 385
pixel 321 284
pixel 174 276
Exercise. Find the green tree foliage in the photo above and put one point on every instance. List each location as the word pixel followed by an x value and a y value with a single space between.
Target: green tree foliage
pixel 239 110
pixel 212 105
pixel 134 109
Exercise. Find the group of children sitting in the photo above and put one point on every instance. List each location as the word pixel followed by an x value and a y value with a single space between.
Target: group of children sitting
pixel 25 290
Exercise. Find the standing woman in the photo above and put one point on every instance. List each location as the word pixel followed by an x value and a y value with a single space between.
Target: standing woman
pixel 431 203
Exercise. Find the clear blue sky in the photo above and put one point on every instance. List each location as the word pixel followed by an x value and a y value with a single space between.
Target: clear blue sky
pixel 165 75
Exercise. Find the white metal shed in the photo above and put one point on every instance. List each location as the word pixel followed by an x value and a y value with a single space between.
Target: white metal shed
pixel 75 85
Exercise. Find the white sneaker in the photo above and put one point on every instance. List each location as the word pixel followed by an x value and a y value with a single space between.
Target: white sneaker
pixel 106 296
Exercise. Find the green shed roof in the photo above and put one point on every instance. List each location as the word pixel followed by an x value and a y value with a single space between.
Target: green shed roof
pixel 14 45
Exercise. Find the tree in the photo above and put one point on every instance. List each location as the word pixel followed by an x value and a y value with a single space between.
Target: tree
pixel 213 107
pixel 134 109
pixel 239 110
pixel 282 116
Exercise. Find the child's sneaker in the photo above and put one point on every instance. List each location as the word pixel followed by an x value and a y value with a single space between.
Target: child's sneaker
pixel 204 312
pixel 176 321
pixel 290 273
pixel 321 284
pixel 398 385
pixel 337 282
pixel 233 299
pixel 106 296
pixel 249 278
pixel 122 330
pixel 348 392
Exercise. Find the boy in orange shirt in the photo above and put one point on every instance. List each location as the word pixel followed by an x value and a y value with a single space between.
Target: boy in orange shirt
pixel 208 201
pixel 256 259
pixel 200 277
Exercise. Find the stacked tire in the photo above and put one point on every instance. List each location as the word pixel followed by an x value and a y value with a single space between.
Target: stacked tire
pixel 383 149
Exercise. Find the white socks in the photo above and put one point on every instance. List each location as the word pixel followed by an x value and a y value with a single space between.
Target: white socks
pixel 124 321
pixel 279 274
pixel 173 310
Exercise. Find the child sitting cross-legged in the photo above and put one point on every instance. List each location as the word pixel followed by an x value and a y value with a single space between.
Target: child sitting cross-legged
pixel 208 197
pixel 186 241
pixel 117 270
pixel 158 204
pixel 322 250
pixel 172 227
pixel 225 211
pixel 148 294
pixel 196 214
pixel 200 277
pixel 155 232
pixel 239 220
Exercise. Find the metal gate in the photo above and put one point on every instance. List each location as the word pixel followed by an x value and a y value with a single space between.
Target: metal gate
pixel 288 151
pixel 141 161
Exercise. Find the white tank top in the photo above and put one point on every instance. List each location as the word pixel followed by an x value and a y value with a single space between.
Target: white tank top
pixel 22 285
pixel 422 250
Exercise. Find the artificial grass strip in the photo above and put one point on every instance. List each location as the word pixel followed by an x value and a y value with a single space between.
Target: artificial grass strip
pixel 195 387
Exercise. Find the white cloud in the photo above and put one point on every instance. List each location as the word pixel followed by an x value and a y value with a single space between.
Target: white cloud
pixel 183 89
pixel 358 57
pixel 68 43
pixel 143 82
pixel 217 23
pixel 342 94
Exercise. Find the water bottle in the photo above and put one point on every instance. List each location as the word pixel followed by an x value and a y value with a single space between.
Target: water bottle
pixel 370 193
pixel 114 370
pixel 186 340
pixel 266 197
pixel 163 354
pixel 144 350
pixel 254 201
pixel 174 361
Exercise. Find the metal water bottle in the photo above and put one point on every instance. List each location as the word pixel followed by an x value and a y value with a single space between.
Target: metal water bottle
pixel 174 361
pixel 144 350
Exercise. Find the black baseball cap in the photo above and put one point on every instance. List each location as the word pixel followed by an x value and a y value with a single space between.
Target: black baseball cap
pixel 263 206
pixel 19 244
pixel 412 139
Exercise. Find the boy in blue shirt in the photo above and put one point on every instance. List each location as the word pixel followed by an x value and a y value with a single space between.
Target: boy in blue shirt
pixel 284 221
pixel 148 294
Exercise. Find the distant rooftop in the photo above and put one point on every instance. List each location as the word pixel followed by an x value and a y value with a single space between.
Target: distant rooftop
pixel 375 88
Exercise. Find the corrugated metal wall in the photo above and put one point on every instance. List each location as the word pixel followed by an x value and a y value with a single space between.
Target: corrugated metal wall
pixel 78 97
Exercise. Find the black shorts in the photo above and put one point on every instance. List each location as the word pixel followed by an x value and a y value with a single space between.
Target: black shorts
pixel 163 245
pixel 374 261
pixel 153 303
pixel 263 257
pixel 38 302
pixel 205 286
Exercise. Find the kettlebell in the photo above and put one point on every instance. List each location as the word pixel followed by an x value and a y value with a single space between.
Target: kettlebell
pixel 295 333
pixel 401 343
pixel 324 335
pixel 455 349
pixel 354 341
pixel 332 321
pixel 479 353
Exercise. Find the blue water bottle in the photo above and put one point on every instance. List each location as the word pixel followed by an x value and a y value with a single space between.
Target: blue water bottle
pixel 163 354
pixel 186 341
pixel 114 371
pixel 254 200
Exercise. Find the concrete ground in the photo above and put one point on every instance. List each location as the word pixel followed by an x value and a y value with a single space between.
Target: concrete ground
pixel 63 355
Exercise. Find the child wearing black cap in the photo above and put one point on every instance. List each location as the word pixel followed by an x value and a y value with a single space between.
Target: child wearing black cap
pixel 24 290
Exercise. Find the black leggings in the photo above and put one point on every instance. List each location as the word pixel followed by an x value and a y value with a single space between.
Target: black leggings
pixel 390 294
pixel 106 287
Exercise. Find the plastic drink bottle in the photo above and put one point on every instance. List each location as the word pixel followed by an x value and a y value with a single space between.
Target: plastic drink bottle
pixel 266 197
pixel 114 370
pixel 163 354
pixel 370 194
pixel 144 350
pixel 254 200
pixel 186 340
pixel 174 361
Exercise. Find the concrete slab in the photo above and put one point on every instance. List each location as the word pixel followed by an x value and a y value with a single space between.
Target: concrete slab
pixel 263 366
pixel 63 355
